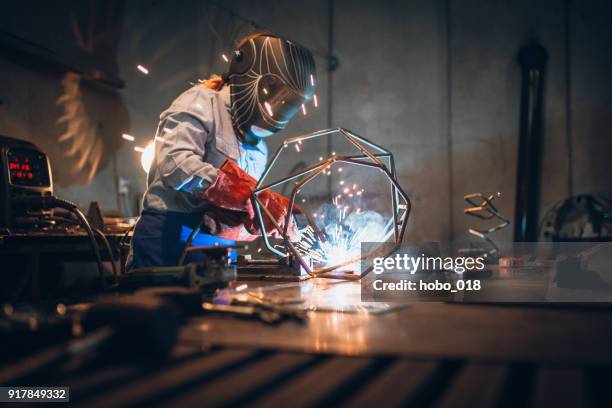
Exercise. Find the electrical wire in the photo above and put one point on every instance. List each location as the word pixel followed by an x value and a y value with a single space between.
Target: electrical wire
pixel 192 236
pixel 94 242
pixel 110 255
pixel 102 237
pixel 49 202
pixel 126 235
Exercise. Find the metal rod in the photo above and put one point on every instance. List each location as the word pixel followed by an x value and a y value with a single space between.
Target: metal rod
pixel 297 174
pixel 360 147
pixel 286 239
pixel 296 188
pixel 366 141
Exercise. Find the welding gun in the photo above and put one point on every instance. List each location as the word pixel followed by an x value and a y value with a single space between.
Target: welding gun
pixel 216 271
pixel 194 275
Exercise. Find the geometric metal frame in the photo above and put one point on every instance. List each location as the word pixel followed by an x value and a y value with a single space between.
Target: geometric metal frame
pixel 369 150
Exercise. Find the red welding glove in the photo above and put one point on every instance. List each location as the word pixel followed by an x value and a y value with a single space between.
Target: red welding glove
pixel 232 190
pixel 277 206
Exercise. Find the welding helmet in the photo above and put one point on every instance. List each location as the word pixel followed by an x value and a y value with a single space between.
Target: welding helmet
pixel 270 78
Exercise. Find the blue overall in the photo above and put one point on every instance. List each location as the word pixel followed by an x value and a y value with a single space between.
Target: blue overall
pixel 194 138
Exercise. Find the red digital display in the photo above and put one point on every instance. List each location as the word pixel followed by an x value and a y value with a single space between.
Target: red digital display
pixel 28 168
pixel 21 171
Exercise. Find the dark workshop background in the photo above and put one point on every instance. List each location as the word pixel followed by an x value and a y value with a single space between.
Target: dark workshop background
pixel 434 81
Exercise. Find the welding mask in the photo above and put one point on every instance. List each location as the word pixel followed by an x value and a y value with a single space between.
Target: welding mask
pixel 270 78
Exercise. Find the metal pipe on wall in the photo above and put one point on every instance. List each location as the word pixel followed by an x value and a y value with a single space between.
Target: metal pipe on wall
pixel 532 60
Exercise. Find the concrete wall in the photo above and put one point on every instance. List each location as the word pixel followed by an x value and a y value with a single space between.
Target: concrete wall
pixel 434 81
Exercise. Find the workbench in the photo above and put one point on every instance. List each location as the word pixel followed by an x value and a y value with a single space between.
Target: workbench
pixel 416 354
pixel 30 255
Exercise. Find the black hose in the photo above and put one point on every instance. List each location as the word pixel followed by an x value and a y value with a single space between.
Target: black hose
pixel 49 202
pixel 107 245
pixel 94 242
pixel 126 235
pixel 193 234
pixel 110 255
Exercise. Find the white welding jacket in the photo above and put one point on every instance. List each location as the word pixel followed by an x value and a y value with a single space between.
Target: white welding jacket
pixel 194 138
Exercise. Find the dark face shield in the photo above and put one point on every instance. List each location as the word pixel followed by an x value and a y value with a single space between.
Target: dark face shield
pixel 277 103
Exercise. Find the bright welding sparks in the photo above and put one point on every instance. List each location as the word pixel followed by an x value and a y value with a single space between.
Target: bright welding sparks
pixel 315 100
pixel 265 91
pixel 297 147
pixel 268 108
pixel 139 149
pixel 304 109
pixel 142 69
pixel 312 80
pixel 242 287
pixel 332 237
pixel 344 230
pixel 224 57
pixel 128 137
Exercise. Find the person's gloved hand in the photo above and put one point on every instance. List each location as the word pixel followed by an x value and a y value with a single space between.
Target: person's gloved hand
pixel 226 224
pixel 232 190
pixel 277 206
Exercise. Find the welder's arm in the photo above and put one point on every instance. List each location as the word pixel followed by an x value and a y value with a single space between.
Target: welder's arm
pixel 181 152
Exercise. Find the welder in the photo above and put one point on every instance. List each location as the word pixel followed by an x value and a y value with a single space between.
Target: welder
pixel 210 148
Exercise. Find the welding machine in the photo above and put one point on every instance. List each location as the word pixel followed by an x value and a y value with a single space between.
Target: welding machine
pixel 27 200
pixel 25 173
